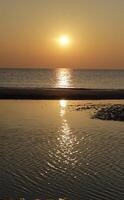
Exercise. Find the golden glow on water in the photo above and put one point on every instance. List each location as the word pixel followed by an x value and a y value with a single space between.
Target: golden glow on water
pixel 66 131
pixel 63 76
pixel 63 106
pixel 66 139
pixel 66 143
pixel 63 103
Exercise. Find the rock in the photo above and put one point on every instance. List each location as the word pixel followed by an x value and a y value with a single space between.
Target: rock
pixel 110 112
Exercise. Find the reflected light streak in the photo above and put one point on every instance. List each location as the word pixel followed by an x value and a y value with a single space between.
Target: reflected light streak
pixel 66 139
pixel 65 148
pixel 66 143
pixel 63 77
pixel 63 105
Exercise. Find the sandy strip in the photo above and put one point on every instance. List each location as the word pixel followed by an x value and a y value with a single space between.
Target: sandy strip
pixel 60 93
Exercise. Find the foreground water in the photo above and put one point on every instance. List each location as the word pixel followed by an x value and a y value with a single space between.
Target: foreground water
pixel 50 151
pixel 62 77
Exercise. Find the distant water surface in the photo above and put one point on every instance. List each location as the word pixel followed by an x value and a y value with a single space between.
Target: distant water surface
pixel 62 78
pixel 50 151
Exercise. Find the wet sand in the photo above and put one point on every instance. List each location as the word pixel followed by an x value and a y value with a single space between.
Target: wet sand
pixel 60 93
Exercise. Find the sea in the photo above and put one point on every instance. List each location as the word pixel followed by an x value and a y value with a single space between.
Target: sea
pixel 62 78
pixel 49 150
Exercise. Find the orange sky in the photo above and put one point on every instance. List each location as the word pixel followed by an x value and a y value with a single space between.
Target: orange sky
pixel 28 30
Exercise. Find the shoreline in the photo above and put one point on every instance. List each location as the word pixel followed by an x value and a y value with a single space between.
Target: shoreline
pixel 60 93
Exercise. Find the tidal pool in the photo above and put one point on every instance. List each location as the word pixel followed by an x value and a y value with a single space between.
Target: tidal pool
pixel 50 150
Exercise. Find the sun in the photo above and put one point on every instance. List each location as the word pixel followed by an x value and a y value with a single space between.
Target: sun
pixel 64 40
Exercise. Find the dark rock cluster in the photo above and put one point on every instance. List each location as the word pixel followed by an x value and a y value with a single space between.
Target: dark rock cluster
pixel 110 112
pixel 102 111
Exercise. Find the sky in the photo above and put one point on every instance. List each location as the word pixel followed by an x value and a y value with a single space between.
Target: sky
pixel 29 32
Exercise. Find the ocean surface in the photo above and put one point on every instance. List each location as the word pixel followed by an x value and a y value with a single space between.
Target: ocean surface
pixel 62 78
pixel 49 150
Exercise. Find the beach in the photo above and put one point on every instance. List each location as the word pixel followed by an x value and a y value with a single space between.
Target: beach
pixel 60 93
pixel 61 100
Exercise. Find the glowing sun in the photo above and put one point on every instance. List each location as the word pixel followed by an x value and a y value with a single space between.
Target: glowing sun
pixel 64 40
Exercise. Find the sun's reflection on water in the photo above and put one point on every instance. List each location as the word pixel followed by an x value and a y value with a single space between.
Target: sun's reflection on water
pixel 63 78
pixel 66 140
pixel 64 154
pixel 63 103
pixel 63 107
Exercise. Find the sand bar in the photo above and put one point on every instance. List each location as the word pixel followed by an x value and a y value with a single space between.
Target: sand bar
pixel 60 93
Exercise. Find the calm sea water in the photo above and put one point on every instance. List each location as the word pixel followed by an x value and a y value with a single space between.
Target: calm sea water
pixel 49 151
pixel 62 78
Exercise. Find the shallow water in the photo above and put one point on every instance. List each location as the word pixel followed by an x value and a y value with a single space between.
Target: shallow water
pixel 51 151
